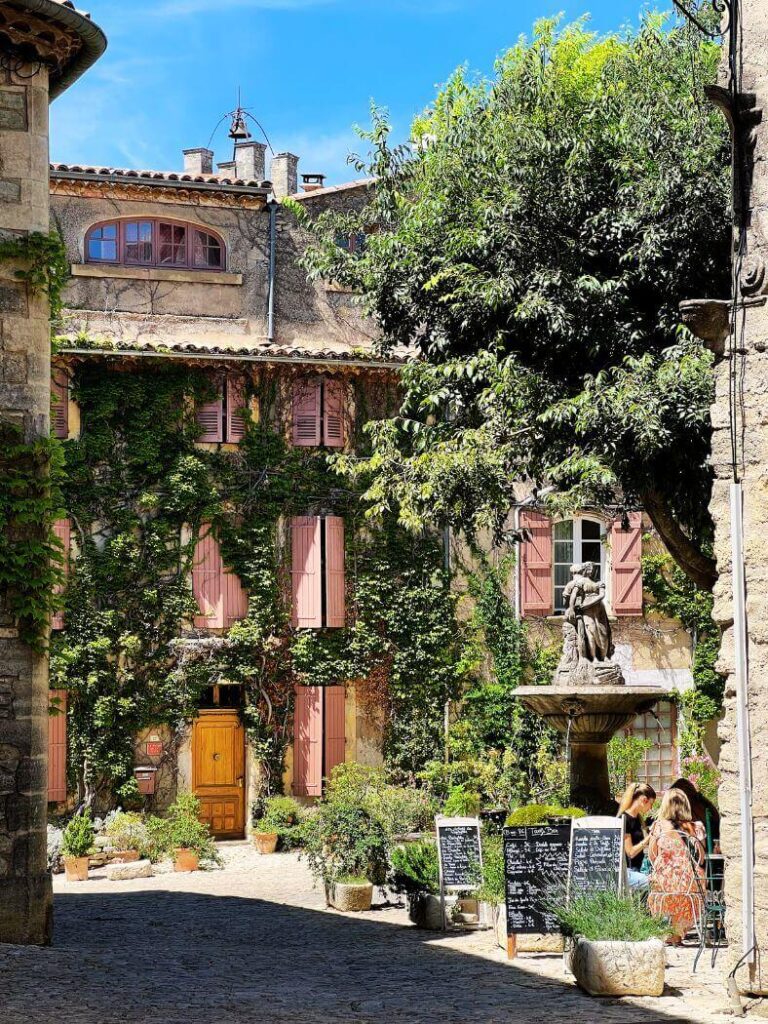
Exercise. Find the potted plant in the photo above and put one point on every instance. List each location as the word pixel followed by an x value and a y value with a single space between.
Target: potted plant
pixel 127 832
pixel 280 822
pixel 416 875
pixel 347 850
pixel 188 838
pixel 76 845
pixel 618 947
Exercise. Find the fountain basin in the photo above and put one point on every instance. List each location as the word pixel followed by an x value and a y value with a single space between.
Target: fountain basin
pixel 589 717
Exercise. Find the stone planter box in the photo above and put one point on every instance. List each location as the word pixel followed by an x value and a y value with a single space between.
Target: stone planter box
pixel 554 943
pixel 350 897
pixel 425 911
pixel 619 968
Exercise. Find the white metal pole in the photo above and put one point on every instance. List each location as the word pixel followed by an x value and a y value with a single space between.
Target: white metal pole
pixel 742 726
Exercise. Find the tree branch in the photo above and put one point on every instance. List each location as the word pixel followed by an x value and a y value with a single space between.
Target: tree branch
pixel 701 568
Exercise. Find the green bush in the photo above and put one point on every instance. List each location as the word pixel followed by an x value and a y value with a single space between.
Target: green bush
pixel 462 803
pixel 537 814
pixel 285 816
pixel 398 809
pixel 78 836
pixel 415 868
pixel 127 831
pixel 493 885
pixel 606 917
pixel 184 830
pixel 342 839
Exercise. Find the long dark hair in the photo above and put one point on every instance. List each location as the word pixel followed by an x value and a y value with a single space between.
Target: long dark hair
pixel 632 792
pixel 699 805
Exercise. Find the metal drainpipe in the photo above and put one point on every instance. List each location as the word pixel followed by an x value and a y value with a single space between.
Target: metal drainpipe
pixel 272 207
pixel 742 727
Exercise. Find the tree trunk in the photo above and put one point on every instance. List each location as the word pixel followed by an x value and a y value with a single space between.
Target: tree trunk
pixel 701 568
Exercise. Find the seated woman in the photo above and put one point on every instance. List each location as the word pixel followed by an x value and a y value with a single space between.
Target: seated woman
pixel 702 810
pixel 676 850
pixel 637 800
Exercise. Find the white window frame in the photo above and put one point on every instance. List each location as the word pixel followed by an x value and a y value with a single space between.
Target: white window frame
pixel 577 521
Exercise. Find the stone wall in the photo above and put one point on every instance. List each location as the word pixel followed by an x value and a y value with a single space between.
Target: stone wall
pixel 25 895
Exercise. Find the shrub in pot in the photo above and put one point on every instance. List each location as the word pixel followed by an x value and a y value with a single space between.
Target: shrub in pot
pixel 538 814
pixel 343 841
pixel 280 823
pixel 399 809
pixel 416 875
pixel 618 946
pixel 462 803
pixel 128 834
pixel 76 845
pixel 188 838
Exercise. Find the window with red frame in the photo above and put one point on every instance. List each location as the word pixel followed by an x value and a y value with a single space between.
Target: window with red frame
pixel 154 243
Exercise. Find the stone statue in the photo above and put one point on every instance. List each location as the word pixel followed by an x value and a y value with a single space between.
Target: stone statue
pixel 587 638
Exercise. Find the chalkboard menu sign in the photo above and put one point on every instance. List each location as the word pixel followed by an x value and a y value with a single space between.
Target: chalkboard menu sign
pixel 459 851
pixel 597 855
pixel 535 857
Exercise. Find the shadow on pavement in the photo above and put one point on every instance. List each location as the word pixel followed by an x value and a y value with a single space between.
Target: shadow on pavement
pixel 164 957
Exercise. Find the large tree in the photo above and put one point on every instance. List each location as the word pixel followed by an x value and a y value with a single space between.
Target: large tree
pixel 532 244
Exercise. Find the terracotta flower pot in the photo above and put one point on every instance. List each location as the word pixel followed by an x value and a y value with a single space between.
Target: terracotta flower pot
pixel 126 856
pixel 76 869
pixel 265 842
pixel 186 860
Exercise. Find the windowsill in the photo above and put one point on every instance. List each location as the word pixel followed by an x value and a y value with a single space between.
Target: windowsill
pixel 177 275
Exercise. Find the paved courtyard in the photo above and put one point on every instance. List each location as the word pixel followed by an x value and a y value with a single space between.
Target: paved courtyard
pixel 254 943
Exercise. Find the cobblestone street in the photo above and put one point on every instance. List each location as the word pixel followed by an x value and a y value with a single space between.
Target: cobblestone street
pixel 254 942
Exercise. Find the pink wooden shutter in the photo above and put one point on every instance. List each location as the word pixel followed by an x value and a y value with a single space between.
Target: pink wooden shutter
pixel 334 739
pixel 306 571
pixel 306 413
pixel 235 401
pixel 235 598
pixel 57 747
pixel 62 529
pixel 308 742
pixel 627 571
pixel 210 420
pixel 537 586
pixel 208 581
pixel 334 572
pixel 333 418
pixel 60 404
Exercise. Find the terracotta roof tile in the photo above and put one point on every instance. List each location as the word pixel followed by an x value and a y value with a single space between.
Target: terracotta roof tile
pixel 63 170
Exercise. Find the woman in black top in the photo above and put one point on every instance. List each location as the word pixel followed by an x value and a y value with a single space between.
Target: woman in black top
pixel 637 801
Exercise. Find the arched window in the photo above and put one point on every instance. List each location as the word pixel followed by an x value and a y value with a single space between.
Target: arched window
pixel 155 243
pixel 576 540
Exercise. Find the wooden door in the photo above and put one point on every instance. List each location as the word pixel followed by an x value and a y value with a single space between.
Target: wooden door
pixel 218 771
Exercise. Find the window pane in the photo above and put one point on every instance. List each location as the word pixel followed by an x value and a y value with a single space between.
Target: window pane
pixel 102 243
pixel 564 551
pixel 590 530
pixel 592 551
pixel 207 250
pixel 138 241
pixel 172 244
pixel 564 530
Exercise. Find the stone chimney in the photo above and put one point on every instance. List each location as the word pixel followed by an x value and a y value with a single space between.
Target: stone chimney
pixel 249 159
pixel 284 175
pixel 312 182
pixel 198 161
pixel 227 169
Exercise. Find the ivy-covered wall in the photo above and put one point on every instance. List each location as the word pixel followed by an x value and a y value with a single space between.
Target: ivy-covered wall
pixel 137 486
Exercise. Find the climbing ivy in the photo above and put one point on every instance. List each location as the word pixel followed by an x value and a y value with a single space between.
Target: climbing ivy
pixel 678 597
pixel 30 556
pixel 45 265
pixel 137 489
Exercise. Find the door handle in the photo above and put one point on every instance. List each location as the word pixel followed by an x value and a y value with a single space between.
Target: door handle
pixel 240 781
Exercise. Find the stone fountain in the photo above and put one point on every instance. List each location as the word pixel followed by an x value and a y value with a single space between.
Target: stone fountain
pixel 588 700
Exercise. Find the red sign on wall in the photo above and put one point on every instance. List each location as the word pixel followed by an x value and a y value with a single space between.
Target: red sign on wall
pixel 154 748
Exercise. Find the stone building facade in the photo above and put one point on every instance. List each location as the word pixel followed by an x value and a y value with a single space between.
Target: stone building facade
pixel 44 46
pixel 202 269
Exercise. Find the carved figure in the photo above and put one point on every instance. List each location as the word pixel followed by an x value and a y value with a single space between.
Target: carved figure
pixel 587 636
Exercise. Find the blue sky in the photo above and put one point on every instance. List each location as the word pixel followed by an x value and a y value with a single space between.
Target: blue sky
pixel 307 68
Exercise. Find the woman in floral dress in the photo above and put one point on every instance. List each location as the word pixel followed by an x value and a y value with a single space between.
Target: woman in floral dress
pixel 676 851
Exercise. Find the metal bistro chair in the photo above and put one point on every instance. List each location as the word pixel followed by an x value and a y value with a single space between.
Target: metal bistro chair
pixel 713 915
pixel 694 893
